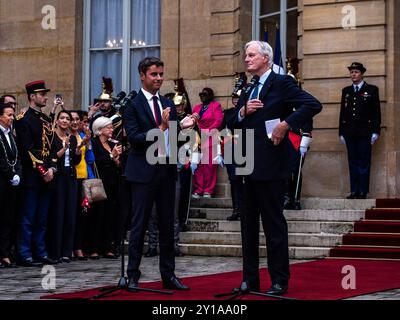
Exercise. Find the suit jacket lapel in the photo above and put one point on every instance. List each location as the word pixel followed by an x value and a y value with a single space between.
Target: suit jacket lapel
pixel 10 151
pixel 363 87
pixel 267 85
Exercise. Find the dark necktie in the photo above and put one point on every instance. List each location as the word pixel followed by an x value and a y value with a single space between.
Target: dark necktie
pixel 357 89
pixel 254 95
pixel 156 109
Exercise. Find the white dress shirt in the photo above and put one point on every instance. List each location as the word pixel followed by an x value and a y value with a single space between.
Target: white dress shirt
pixel 358 85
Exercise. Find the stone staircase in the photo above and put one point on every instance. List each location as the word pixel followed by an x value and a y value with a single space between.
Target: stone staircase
pixel 312 231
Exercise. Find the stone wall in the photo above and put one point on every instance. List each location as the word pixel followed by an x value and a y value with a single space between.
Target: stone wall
pixel 28 52
pixel 326 48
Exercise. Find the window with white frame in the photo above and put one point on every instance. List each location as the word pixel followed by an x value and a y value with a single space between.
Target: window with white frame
pixel 117 35
pixel 273 16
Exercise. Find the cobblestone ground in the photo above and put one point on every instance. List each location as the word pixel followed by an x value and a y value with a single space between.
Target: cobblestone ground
pixel 25 283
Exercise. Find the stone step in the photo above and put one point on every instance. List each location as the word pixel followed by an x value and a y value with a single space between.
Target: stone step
pixel 236 251
pixel 332 227
pixel 307 203
pixel 337 204
pixel 291 215
pixel 225 202
pixel 234 238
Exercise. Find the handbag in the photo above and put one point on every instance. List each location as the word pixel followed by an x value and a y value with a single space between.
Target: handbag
pixel 93 189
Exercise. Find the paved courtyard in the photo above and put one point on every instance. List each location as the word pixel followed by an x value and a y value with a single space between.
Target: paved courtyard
pixel 26 283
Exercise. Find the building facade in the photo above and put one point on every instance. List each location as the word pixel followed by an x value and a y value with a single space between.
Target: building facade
pixel 72 44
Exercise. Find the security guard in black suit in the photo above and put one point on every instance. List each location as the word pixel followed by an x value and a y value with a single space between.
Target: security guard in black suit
pixel 35 132
pixel 359 128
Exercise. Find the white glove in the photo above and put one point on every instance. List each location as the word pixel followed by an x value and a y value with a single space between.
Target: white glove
pixel 220 160
pixel 196 157
pixel 305 144
pixel 303 151
pixel 193 167
pixel 374 137
pixel 15 181
pixel 342 140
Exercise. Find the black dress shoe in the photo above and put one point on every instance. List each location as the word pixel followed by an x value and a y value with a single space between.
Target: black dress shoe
pixel 288 205
pixel 6 264
pixel 362 196
pixel 352 195
pixel 152 252
pixel 234 217
pixel 277 289
pixel 183 228
pixel 64 260
pixel 29 263
pixel 175 284
pixel 133 284
pixel 47 261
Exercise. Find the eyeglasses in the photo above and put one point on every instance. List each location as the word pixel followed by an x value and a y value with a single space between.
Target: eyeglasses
pixel 203 94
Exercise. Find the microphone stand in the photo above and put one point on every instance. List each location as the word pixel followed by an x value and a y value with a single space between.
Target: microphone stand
pixel 244 290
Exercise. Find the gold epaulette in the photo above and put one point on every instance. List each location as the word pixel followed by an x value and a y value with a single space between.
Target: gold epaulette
pixel 20 116
pixel 35 161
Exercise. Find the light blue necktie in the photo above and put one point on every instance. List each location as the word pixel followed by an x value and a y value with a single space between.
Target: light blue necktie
pixel 254 95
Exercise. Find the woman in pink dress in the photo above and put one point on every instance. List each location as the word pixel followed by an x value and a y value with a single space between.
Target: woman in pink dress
pixel 210 117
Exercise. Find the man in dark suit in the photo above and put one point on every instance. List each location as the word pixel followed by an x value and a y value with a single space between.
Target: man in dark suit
pixel 359 128
pixel 35 133
pixel 272 98
pixel 151 184
pixel 10 177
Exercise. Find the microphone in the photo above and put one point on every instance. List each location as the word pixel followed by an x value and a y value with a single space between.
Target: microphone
pixel 253 82
pixel 132 95
pixel 118 99
pixel 238 85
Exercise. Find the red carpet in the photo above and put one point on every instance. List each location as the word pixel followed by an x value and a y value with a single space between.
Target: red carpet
pixel 388 203
pixel 316 280
pixel 382 214
pixel 376 237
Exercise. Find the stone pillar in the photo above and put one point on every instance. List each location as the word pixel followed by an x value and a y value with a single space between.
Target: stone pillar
pixel 28 52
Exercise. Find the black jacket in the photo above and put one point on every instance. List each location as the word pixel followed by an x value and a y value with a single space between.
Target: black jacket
pixel 108 170
pixel 138 121
pixel 360 113
pixel 74 159
pixel 279 96
pixel 7 172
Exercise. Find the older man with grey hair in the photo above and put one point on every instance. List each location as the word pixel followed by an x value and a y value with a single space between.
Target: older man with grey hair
pixel 267 108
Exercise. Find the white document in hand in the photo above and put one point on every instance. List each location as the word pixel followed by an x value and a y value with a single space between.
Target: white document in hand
pixel 270 126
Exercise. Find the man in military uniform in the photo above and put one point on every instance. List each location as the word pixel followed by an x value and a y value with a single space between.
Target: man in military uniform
pixel 35 133
pixel 300 140
pixel 104 108
pixel 359 128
